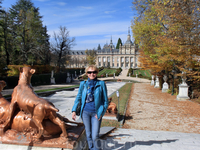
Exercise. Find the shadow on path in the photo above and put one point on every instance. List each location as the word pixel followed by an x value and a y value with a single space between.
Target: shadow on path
pixel 109 143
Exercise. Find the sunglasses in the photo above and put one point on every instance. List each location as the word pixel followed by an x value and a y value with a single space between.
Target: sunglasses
pixel 89 72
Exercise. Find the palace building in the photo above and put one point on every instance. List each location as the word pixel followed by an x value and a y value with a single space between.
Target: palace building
pixel 125 57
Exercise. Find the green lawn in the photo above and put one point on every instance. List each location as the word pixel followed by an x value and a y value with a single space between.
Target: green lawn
pixel 107 71
pixel 142 72
pixel 124 93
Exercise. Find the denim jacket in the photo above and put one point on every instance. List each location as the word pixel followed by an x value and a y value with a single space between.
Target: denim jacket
pixel 100 97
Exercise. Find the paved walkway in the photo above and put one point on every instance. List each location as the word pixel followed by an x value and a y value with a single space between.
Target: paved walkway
pixel 130 139
pixel 153 123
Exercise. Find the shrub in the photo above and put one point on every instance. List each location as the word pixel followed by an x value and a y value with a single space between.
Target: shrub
pixel 111 75
pixel 130 71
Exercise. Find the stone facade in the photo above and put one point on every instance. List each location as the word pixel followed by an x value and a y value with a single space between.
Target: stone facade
pixel 125 57
pixel 77 59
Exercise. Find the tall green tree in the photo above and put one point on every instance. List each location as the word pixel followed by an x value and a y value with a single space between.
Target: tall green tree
pixel 6 37
pixel 99 47
pixel 119 42
pixel 2 30
pixel 27 30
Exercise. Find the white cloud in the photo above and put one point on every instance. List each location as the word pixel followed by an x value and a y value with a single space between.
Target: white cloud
pixel 109 12
pixel 83 7
pixel 99 29
pixel 90 43
pixel 105 39
pixel 61 3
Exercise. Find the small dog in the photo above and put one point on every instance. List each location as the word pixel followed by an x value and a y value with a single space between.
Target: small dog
pixel 25 98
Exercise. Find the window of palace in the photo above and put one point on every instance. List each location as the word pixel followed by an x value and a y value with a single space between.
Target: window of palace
pixel 127 51
pixel 131 59
pixel 122 59
pixel 131 65
pixel 104 59
pixel 127 59
pixel 108 59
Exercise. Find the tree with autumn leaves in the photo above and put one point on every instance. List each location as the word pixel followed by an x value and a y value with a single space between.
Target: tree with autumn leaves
pixel 167 33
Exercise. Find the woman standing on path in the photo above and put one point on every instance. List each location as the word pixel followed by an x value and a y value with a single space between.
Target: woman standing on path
pixel 94 102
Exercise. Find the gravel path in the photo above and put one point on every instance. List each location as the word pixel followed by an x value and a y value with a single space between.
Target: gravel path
pixel 150 109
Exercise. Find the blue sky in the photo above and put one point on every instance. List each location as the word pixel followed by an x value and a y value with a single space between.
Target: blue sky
pixel 91 22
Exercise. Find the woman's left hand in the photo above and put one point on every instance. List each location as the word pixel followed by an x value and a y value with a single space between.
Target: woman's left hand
pixel 97 117
pixel 74 116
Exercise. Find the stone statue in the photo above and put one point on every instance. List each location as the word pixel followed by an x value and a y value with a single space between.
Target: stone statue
pixel 184 78
pixel 4 109
pixel 52 78
pixel 52 74
pixel 28 112
pixel 157 82
pixel 152 80
pixel 112 107
pixel 25 98
pixel 22 122
pixel 165 86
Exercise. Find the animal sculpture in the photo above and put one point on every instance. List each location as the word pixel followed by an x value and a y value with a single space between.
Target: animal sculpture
pixel 4 105
pixel 4 110
pixel 112 107
pixel 27 101
pixel 23 122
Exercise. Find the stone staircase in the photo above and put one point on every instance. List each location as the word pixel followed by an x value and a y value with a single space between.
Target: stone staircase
pixel 123 74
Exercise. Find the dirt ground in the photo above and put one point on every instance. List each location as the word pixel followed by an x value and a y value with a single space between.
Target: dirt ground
pixel 150 109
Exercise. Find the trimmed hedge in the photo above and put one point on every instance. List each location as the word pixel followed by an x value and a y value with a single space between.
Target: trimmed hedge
pixel 42 79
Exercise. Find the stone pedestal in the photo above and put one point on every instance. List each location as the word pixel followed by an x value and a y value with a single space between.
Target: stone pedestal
pixel 76 140
pixel 165 87
pixel 53 81
pixel 152 81
pixel 183 92
pixel 157 82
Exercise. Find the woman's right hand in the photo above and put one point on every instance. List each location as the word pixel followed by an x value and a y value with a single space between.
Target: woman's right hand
pixel 74 116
